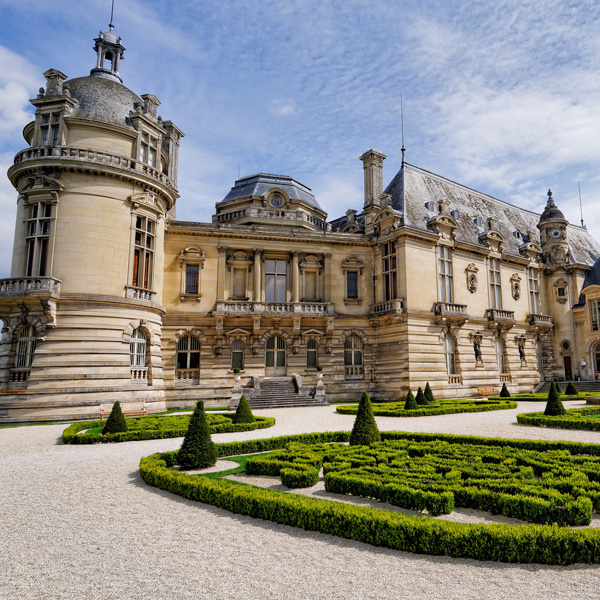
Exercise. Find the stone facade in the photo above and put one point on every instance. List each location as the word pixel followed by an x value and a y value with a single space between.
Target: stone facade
pixel 111 298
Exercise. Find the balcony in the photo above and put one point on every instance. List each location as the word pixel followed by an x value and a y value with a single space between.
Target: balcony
pixel 389 307
pixel 540 321
pixel 448 311
pixel 187 375
pixel 354 372
pixel 139 293
pixel 139 373
pixel 19 287
pixel 500 317
pixel 296 309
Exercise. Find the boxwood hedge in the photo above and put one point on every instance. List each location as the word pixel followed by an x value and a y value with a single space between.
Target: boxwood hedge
pixel 574 418
pixel 545 544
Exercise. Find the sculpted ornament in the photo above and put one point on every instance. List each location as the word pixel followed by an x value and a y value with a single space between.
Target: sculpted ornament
pixel 471 272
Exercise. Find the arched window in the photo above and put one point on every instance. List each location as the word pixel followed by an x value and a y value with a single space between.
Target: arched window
pixel 137 348
pixel 311 354
pixel 26 343
pixel 500 356
pixel 449 354
pixel 188 353
pixel 237 355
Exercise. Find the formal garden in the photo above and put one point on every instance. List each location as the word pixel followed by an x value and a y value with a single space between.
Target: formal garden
pixel 552 487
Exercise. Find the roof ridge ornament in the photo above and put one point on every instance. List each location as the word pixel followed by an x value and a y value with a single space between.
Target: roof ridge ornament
pixel 551 203
pixel 109 51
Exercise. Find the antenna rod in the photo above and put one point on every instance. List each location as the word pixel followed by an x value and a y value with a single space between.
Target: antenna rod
pixel 402 127
pixel 580 206
pixel 112 11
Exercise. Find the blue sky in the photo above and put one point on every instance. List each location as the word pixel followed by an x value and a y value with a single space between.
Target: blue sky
pixel 500 96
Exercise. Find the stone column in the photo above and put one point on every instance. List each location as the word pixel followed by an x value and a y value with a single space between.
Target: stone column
pixel 257 274
pixel 295 277
pixel 221 272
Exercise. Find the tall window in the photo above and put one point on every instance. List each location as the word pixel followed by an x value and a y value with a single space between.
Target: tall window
pixel 445 274
pixel 534 291
pixel 26 343
pixel 148 149
pixel 137 348
pixel 449 354
pixel 143 258
pixel 191 278
pixel 275 280
pixel 49 129
pixel 500 356
pixel 188 353
pixel 311 354
pixel 352 284
pixel 390 276
pixel 353 351
pixel 275 352
pixel 237 355
pixel 494 276
pixel 38 239
pixel 595 314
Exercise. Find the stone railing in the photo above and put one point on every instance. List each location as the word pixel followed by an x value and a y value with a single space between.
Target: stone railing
pixel 355 372
pixel 227 307
pixel 30 286
pixel 500 316
pixel 449 309
pixel 94 156
pixel 455 379
pixel 540 320
pixel 139 293
pixel 139 373
pixel 505 378
pixel 19 375
pixel 388 307
pixel 299 216
pixel 187 374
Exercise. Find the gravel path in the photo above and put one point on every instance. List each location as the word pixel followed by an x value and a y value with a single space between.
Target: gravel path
pixel 78 523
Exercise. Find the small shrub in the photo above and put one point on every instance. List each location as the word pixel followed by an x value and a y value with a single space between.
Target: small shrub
pixel 243 414
pixel 429 394
pixel 421 401
pixel 236 370
pixel 116 421
pixel 319 367
pixel 554 406
pixel 504 393
pixel 299 478
pixel 571 390
pixel 197 450
pixel 411 403
pixel 365 431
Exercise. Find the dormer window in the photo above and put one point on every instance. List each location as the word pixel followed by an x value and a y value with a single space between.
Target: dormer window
pixel 478 221
pixel 148 149
pixel 49 129
pixel 276 201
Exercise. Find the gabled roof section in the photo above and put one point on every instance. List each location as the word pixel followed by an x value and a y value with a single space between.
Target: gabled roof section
pixel 416 193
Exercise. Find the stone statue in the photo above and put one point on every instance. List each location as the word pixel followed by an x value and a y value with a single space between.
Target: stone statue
pixel 477 350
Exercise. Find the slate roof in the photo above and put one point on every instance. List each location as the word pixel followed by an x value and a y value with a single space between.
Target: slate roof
pixel 412 188
pixel 103 100
pixel 260 183
pixel 593 276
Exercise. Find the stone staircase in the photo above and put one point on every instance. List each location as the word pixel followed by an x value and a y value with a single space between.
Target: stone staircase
pixel 581 386
pixel 281 392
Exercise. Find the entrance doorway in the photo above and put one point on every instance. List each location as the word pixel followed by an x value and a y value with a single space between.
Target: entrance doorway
pixel 275 357
pixel 568 368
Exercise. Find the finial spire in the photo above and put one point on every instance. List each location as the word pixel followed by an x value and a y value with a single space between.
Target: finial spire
pixel 112 12
pixel 402 127
pixel 550 200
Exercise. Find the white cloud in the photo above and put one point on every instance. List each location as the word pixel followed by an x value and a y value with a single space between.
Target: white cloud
pixel 284 107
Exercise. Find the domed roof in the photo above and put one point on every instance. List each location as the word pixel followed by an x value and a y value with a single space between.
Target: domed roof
pixel 551 213
pixel 103 100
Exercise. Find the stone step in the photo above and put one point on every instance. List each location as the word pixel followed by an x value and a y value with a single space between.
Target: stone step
pixel 580 386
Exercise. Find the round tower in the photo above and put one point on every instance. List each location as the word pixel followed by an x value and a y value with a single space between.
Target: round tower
pixel 82 309
pixel 553 234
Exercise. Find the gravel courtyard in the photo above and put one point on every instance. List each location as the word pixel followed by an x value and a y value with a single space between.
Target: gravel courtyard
pixel 77 522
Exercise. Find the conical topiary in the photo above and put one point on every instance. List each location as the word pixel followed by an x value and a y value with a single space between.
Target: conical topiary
pixel 421 401
pixel 571 390
pixel 197 450
pixel 557 387
pixel 429 394
pixel 504 393
pixel 116 421
pixel 365 431
pixel 243 414
pixel 554 406
pixel 411 403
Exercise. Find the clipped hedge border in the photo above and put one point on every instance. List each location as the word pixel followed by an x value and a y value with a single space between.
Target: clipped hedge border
pixel 544 397
pixel 474 407
pixel 541 544
pixel 567 421
pixel 70 436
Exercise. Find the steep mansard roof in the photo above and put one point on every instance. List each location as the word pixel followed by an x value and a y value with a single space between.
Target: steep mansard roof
pixel 413 188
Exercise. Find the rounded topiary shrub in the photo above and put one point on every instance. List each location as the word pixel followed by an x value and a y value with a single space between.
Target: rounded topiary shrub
pixel 116 421
pixel 197 450
pixel 365 431
pixel 243 414
pixel 428 394
pixel 571 390
pixel 411 403
pixel 421 401
pixel 504 393
pixel 554 406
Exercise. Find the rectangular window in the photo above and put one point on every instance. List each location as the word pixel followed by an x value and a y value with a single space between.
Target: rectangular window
pixel 310 285
pixel 143 254
pixel 50 126
pixel 390 277
pixel 239 283
pixel 275 280
pixel 352 284
pixel 148 149
pixel 534 291
pixel 595 314
pixel 494 279
pixel 444 274
pixel 38 240
pixel 191 279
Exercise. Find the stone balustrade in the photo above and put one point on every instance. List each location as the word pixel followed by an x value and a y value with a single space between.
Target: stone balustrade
pixel 355 372
pixel 29 286
pixel 505 378
pixel 139 293
pixel 233 307
pixel 187 374
pixel 388 307
pixel 139 373
pixel 500 316
pixel 450 310
pixel 455 379
pixel 540 320
pixel 271 213
pixel 19 375
pixel 104 159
